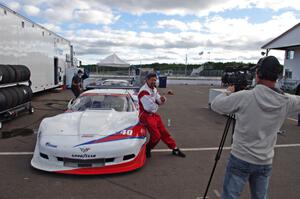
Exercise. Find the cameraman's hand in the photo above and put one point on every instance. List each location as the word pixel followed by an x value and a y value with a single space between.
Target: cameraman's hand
pixel 231 89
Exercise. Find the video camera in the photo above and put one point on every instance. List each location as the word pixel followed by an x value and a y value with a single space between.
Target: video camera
pixel 241 77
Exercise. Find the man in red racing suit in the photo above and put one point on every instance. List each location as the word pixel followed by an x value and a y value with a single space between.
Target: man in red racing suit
pixel 149 100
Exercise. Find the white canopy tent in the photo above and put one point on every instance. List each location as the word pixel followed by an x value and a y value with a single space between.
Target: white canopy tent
pixel 113 61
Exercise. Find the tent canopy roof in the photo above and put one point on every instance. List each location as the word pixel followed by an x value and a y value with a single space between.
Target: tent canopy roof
pixel 113 61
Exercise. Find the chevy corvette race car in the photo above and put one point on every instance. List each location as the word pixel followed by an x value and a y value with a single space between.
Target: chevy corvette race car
pixel 100 133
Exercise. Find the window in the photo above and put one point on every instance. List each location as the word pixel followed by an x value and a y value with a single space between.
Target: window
pixel 5 12
pixel 290 54
pixel 288 74
pixel 23 24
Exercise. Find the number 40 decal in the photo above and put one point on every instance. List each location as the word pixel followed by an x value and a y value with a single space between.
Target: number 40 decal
pixel 127 132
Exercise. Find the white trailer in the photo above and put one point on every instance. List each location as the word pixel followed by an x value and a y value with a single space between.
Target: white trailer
pixel 46 54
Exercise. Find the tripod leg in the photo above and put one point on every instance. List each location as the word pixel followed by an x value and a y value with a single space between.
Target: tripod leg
pixel 218 155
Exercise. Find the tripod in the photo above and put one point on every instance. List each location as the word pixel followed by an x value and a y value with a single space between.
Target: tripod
pixel 230 119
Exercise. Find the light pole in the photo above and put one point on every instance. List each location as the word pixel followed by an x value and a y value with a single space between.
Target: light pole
pixel 186 59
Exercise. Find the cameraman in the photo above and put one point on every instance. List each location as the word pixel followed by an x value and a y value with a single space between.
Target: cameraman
pixel 259 114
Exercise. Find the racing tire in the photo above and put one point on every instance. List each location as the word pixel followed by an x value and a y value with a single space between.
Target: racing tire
pixel 26 73
pixel 2 101
pixel 18 73
pixel 13 97
pixel 27 93
pixel 8 99
pixel 11 74
pixel 5 74
pixel 19 94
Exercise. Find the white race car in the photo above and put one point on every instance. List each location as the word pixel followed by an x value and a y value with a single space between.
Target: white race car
pixel 100 133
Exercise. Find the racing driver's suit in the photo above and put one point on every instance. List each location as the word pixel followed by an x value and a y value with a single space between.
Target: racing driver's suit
pixel 149 100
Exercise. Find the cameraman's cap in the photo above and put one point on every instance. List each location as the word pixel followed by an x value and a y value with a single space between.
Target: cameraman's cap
pixel 269 67
pixel 79 71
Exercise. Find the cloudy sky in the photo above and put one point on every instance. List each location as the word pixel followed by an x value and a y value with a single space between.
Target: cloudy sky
pixel 165 31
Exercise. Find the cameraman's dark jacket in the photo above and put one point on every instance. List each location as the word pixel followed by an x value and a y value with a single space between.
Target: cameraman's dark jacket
pixel 260 113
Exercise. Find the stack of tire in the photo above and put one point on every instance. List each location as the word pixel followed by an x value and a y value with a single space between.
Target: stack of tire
pixel 12 93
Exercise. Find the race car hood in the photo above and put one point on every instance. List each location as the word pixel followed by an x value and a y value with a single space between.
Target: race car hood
pixel 89 122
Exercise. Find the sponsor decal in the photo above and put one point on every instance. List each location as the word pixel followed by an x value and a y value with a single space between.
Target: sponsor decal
pixel 132 132
pixel 83 156
pixel 84 150
pixel 48 144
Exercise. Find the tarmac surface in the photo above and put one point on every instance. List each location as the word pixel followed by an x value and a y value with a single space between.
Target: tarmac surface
pixel 197 130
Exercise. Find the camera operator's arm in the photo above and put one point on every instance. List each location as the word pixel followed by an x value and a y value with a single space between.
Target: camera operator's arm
pixel 227 102
pixel 294 104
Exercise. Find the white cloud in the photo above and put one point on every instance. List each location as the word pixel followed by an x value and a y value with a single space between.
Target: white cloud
pixel 59 11
pixel 172 24
pixel 176 24
pixel 94 17
pixel 196 7
pixel 14 6
pixel 31 10
pixel 57 15
pixel 226 39
pixel 277 4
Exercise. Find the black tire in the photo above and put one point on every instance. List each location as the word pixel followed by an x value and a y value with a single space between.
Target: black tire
pixel 20 95
pixel 7 99
pixel 1 74
pixel 27 93
pixel 5 74
pixel 22 92
pixel 14 97
pixel 18 73
pixel 12 74
pixel 2 101
pixel 25 72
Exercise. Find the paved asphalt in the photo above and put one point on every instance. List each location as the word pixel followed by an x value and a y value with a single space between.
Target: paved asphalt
pixel 164 176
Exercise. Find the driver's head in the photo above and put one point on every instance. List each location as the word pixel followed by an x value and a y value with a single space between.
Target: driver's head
pixel 151 80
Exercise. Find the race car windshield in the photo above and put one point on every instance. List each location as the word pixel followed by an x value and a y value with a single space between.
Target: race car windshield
pixel 102 102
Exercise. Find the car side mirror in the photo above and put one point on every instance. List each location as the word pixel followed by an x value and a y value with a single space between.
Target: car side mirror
pixel 71 103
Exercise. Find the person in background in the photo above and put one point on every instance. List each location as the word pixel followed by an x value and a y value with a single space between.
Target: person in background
pixel 77 83
pixel 149 100
pixel 259 114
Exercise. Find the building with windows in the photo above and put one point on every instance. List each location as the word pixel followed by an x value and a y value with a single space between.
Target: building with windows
pixel 288 41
